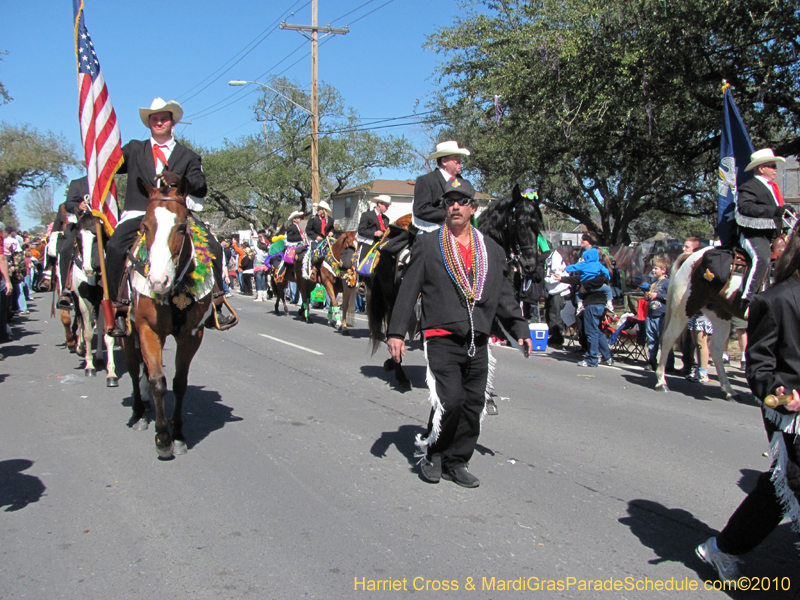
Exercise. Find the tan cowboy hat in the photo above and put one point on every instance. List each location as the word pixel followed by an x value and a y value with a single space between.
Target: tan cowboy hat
pixel 291 217
pixel 324 206
pixel 383 199
pixel 448 148
pixel 158 105
pixel 762 157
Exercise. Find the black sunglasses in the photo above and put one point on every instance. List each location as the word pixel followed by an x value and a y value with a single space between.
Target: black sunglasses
pixel 462 201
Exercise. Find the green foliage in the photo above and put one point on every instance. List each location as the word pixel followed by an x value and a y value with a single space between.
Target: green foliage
pixel 261 178
pixel 4 95
pixel 8 216
pixel 29 159
pixel 612 109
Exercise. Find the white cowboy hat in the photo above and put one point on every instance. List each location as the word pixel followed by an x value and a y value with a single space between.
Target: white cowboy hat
pixel 324 206
pixel 383 199
pixel 291 217
pixel 158 105
pixel 448 148
pixel 761 157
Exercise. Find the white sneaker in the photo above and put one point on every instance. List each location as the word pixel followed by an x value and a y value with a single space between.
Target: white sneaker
pixel 579 310
pixel 727 566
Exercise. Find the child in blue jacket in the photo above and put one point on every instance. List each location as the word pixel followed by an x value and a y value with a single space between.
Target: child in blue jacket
pixel 590 268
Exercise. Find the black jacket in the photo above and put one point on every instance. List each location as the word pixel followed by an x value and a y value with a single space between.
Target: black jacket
pixel 314 227
pixel 443 304
pixel 138 155
pixel 428 192
pixel 773 336
pixel 368 225
pixel 757 213
pixel 77 191
pixel 293 234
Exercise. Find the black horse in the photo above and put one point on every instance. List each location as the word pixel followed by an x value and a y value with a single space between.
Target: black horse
pixel 514 222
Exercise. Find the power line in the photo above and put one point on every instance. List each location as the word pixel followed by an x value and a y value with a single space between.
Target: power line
pixel 253 45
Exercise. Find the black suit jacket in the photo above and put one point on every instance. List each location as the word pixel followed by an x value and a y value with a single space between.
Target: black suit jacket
pixel 368 225
pixel 293 233
pixel 138 155
pixel 77 191
pixel 756 210
pixel 428 192
pixel 443 305
pixel 773 336
pixel 314 228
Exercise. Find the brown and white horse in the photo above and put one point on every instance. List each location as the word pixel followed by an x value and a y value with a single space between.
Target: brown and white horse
pixel 689 293
pixel 170 311
pixel 331 282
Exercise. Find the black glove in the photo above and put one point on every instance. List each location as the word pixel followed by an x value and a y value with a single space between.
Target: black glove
pixel 170 178
pixel 779 210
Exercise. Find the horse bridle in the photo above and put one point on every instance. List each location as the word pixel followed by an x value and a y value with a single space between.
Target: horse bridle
pixel 176 256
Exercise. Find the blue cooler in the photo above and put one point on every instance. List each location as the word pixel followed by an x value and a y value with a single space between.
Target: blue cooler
pixel 539 334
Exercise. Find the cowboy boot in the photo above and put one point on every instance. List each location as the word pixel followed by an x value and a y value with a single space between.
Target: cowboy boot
pixel 218 320
pixel 120 326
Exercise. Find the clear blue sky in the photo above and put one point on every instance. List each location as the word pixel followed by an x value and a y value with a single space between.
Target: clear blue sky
pixel 184 50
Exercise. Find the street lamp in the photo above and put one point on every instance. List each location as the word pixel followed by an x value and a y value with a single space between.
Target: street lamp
pixel 314 132
pixel 239 82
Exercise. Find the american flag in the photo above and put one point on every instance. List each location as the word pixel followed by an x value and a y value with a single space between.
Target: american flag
pixel 99 128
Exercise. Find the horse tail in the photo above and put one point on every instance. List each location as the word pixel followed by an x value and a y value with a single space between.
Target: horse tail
pixel 377 312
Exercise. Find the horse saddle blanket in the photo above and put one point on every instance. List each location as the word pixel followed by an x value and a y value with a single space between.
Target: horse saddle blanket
pixel 718 264
pixel 197 278
pixel 395 241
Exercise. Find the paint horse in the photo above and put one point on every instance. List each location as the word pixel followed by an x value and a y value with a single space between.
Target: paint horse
pixel 514 222
pixel 172 295
pixel 692 290
pixel 87 294
pixel 334 275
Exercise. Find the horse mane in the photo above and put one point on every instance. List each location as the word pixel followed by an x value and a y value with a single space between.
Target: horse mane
pixel 493 221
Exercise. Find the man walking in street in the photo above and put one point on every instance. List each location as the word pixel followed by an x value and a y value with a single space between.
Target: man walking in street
pixel 461 277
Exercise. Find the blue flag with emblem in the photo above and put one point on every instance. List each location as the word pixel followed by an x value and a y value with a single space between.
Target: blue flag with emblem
pixel 734 155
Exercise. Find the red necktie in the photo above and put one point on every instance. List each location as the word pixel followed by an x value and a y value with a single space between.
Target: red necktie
pixel 158 154
pixel 380 222
pixel 322 221
pixel 777 192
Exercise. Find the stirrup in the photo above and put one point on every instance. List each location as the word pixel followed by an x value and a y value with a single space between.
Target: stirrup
pixel 224 326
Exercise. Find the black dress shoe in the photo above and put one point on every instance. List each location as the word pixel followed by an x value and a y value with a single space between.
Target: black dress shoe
pixel 461 476
pixel 64 302
pixel 120 328
pixel 431 469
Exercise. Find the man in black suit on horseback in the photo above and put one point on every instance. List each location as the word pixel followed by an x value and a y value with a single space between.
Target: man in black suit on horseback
pixel 759 213
pixel 427 211
pixel 76 204
pixel 158 161
pixel 372 224
pixel 461 276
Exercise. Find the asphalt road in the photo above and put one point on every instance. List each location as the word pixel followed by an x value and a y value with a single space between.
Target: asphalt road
pixel 300 480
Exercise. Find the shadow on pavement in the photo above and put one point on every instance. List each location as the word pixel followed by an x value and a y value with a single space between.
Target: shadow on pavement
pixel 402 439
pixel 673 534
pixel 17 490
pixel 415 374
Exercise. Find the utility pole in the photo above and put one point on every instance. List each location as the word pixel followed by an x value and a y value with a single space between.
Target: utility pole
pixel 315 30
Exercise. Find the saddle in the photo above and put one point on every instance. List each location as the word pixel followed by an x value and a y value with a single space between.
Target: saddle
pixel 718 265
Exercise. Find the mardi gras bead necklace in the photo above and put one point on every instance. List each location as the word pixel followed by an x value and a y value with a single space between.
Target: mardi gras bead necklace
pixel 470 284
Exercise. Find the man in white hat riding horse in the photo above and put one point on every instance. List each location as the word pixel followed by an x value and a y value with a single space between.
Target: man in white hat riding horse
pixel 427 211
pixel 373 224
pixel 158 161
pixel 759 213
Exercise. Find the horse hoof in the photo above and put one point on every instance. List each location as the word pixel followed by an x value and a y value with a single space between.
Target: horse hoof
pixel 112 382
pixel 662 388
pixel 165 453
pixel 72 350
pixel 90 373
pixel 732 397
pixel 141 425
pixel 180 447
